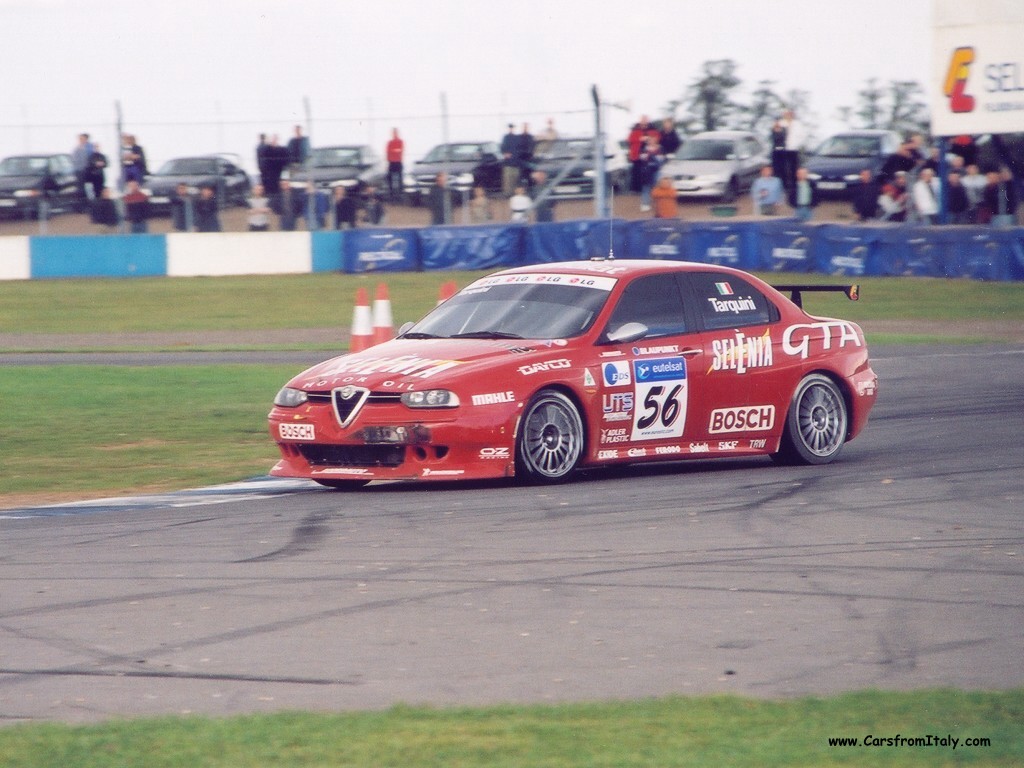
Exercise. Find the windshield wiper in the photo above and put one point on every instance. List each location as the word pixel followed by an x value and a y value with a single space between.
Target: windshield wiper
pixel 486 335
pixel 420 335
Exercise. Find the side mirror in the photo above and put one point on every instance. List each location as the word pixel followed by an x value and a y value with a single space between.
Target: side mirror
pixel 627 333
pixel 405 328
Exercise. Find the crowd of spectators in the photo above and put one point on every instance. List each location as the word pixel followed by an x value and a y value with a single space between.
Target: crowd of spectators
pixel 907 188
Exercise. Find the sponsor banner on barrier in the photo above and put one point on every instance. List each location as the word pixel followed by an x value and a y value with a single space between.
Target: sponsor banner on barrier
pixel 15 262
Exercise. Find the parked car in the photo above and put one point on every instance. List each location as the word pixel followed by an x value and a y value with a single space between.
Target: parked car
pixel 28 180
pixel 535 371
pixel 469 163
pixel 717 164
pixel 836 163
pixel 224 172
pixel 347 166
pixel 575 157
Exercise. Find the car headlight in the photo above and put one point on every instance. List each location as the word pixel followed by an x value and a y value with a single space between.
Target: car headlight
pixel 431 398
pixel 589 173
pixel 289 398
pixel 464 178
pixel 851 177
pixel 26 193
pixel 814 176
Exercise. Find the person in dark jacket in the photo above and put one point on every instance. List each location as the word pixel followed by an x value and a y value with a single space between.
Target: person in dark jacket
pixel 136 207
pixel 103 211
pixel 207 211
pixel 182 209
pixel 289 206
pixel 439 200
pixel 346 209
pixel 957 203
pixel 865 197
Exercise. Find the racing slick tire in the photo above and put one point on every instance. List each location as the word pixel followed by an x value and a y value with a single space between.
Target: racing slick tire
pixel 550 440
pixel 816 423
pixel 342 485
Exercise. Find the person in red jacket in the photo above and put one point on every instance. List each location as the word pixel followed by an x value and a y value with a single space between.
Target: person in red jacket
pixel 637 141
pixel 395 150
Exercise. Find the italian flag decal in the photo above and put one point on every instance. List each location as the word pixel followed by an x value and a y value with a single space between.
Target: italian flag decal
pixel 724 289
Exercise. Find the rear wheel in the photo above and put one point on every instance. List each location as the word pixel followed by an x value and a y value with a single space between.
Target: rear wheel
pixel 550 441
pixel 816 423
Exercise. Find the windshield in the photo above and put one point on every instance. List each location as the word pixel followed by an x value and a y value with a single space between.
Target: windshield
pixel 533 306
pixel 850 146
pixel 23 166
pixel 705 149
pixel 456 152
pixel 565 148
pixel 189 166
pixel 335 157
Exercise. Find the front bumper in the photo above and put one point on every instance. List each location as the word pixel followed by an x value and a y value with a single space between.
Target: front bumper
pixel 392 442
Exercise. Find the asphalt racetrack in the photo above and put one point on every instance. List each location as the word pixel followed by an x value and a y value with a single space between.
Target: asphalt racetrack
pixel 898 567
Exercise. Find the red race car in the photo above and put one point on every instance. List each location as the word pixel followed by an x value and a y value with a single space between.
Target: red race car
pixel 536 371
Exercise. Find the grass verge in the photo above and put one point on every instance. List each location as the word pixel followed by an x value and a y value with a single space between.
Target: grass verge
pixel 714 731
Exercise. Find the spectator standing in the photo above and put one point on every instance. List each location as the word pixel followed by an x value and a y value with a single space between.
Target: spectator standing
pixel 298 149
pixel 96 173
pixel 373 207
pixel 207 210
pixel 778 145
pixel 925 193
pixel 796 136
pixel 666 204
pixel 804 196
pixel 133 160
pixel 649 161
pixel 258 216
pixel 103 211
pixel 767 192
pixel 289 206
pixel 892 203
pixel 865 197
pixel 669 137
pixel 509 170
pixel 519 205
pixel 957 204
pixel 1001 198
pixel 524 148
pixel 395 152
pixel 275 161
pixel 549 133
pixel 636 142
pixel 543 207
pixel 346 209
pixel 439 200
pixel 901 161
pixel 974 185
pixel 136 207
pixel 261 157
pixel 182 209
pixel 480 211
pixel 80 157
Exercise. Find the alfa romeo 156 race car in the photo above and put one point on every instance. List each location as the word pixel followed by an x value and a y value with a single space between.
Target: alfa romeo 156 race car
pixel 537 371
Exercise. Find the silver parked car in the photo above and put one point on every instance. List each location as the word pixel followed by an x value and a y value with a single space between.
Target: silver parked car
pixel 717 164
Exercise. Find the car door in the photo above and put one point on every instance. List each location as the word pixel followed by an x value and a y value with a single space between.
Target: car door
pixel 744 372
pixel 650 405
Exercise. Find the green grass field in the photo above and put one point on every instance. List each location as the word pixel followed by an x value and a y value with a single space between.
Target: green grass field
pixel 706 732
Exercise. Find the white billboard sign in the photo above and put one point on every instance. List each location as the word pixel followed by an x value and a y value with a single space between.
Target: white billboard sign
pixel 977 81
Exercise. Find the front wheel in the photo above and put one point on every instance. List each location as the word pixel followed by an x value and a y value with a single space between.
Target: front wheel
pixel 550 441
pixel 816 423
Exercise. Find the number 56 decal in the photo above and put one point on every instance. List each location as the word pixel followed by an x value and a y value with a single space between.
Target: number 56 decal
pixel 661 396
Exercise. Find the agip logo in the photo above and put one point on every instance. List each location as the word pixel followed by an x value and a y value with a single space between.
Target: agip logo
pixel 956 80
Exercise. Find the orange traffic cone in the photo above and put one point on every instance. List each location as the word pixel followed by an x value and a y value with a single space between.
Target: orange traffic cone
pixel 448 290
pixel 362 332
pixel 383 326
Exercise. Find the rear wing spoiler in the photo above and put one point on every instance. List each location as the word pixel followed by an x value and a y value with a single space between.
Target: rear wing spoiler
pixel 852 291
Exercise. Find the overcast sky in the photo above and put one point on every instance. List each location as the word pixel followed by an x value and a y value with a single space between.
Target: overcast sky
pixel 196 76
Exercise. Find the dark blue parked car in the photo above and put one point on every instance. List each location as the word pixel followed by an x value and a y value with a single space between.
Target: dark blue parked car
pixel 837 162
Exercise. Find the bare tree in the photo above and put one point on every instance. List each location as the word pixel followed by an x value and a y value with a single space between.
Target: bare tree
pixel 896 107
pixel 708 101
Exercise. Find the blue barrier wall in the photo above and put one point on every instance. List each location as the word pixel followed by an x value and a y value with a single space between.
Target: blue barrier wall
pixel 976 252
pixel 98 256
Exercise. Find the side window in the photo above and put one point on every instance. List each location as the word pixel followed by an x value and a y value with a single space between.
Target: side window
pixel 655 301
pixel 729 301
